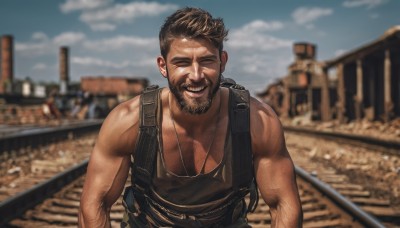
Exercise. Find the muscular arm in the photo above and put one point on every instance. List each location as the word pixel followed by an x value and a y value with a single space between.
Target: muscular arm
pixel 274 168
pixel 109 165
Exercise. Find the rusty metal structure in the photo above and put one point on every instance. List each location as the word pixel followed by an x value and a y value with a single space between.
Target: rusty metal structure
pixel 365 83
pixel 273 96
pixel 7 64
pixel 306 87
pixel 369 79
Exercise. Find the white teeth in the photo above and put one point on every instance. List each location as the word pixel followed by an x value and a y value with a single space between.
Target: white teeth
pixel 195 89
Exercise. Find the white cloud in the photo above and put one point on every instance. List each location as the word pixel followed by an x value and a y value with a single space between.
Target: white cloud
pixel 146 62
pixel 256 70
pixel 69 38
pixel 40 36
pixel 257 42
pixel 260 25
pixel 359 3
pixel 252 36
pixel 264 65
pixel 96 62
pixel 256 56
pixel 73 5
pixel 41 44
pixel 103 15
pixel 33 49
pixel 90 61
pixel 304 15
pixel 124 13
pixel 122 43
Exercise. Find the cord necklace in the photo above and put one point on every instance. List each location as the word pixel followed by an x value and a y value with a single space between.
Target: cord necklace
pixel 177 137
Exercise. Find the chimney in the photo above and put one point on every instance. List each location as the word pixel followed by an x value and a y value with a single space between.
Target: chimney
pixel 64 70
pixel 7 63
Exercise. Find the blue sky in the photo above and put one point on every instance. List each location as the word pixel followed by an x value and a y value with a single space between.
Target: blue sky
pixel 119 37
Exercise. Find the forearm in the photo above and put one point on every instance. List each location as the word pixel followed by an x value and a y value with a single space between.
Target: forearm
pixel 93 216
pixel 286 216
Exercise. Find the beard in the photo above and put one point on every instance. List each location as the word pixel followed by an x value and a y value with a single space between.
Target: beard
pixel 194 107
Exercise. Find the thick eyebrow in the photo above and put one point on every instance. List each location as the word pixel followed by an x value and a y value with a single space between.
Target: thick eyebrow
pixel 213 57
pixel 178 58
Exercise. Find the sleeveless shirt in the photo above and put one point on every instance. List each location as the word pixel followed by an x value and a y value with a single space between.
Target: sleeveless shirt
pixel 202 188
pixel 203 200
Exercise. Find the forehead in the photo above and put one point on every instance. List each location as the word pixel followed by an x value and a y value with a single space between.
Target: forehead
pixel 186 46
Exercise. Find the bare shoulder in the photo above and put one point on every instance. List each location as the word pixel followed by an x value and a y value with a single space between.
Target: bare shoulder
pixel 263 119
pixel 266 129
pixel 120 129
pixel 261 108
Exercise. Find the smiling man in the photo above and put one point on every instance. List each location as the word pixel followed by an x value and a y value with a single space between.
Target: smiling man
pixel 196 94
pixel 198 147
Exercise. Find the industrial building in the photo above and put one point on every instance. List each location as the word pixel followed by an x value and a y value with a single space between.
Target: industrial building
pixel 365 83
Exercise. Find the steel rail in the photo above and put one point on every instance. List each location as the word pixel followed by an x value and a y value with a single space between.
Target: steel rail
pixel 38 137
pixel 17 205
pixel 356 212
pixel 389 145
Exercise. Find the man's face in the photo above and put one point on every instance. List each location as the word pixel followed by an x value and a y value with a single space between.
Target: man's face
pixel 193 69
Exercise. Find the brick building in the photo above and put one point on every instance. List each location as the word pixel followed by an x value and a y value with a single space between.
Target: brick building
pixel 113 86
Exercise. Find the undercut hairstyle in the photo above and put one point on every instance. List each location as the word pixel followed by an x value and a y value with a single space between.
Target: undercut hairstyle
pixel 192 23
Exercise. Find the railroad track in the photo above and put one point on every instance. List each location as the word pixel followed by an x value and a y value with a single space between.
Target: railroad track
pixel 34 150
pixel 31 158
pixel 385 145
pixel 13 129
pixel 62 208
pixel 11 144
pixel 55 202
pixel 350 171
pixel 17 205
pixel 356 193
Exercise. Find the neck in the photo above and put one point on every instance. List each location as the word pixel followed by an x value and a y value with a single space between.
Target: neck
pixel 190 121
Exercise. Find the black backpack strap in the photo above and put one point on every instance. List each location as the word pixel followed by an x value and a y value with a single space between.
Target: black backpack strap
pixel 230 83
pixel 239 115
pixel 146 146
pixel 241 141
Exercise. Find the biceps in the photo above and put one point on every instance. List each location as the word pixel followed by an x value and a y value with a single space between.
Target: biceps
pixel 105 178
pixel 276 180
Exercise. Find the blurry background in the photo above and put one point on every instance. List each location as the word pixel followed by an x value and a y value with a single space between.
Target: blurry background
pixel 120 38
pixel 329 69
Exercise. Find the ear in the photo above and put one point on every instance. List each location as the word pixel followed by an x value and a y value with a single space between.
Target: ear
pixel 224 60
pixel 162 66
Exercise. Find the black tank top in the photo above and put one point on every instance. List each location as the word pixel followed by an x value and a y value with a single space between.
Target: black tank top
pixel 194 190
pixel 163 198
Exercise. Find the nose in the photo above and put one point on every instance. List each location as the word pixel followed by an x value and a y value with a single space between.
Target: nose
pixel 196 73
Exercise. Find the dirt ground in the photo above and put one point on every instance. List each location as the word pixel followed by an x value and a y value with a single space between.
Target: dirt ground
pixel 378 172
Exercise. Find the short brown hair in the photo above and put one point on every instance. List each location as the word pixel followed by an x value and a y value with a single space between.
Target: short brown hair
pixel 192 23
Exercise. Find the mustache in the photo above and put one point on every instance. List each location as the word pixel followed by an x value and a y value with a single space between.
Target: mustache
pixel 194 84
